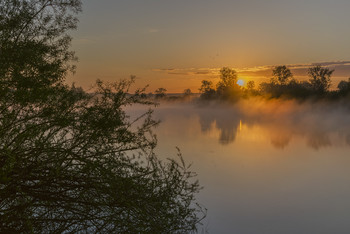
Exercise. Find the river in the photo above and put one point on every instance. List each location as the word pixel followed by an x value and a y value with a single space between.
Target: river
pixel 266 166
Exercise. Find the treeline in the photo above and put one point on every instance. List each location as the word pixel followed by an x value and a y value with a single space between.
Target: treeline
pixel 281 85
pixel 161 94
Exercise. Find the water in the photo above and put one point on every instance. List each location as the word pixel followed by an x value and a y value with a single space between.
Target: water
pixel 266 167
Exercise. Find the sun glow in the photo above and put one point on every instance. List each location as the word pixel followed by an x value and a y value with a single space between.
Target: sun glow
pixel 240 82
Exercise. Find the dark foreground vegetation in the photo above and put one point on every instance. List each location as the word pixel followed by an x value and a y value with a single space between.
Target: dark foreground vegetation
pixel 72 161
pixel 281 85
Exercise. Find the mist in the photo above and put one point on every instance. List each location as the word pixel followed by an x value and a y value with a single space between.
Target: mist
pixel 318 123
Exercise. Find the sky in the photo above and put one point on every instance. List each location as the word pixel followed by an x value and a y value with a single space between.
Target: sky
pixel 175 44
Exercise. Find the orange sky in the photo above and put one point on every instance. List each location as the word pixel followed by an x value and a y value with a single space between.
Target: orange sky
pixel 176 44
pixel 175 80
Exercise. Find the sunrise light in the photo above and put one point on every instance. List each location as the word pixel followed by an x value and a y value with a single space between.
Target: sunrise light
pixel 240 82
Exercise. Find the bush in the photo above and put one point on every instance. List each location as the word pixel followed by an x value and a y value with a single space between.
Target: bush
pixel 72 161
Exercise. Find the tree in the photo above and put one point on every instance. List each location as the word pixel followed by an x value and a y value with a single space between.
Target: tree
pixel 320 78
pixel 344 86
pixel 35 45
pixel 282 75
pixel 160 92
pixel 72 161
pixel 187 92
pixel 207 90
pixel 206 86
pixel 251 85
pixel 227 87
pixel 228 77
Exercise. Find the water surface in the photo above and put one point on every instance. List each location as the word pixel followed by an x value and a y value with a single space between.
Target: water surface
pixel 276 167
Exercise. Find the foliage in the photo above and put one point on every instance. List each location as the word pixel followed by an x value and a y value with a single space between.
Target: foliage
pixel 281 75
pixel 281 85
pixel 344 87
pixel 187 92
pixel 34 44
pixel 73 164
pixel 320 78
pixel 207 90
pixel 160 93
pixel 227 87
pixel 294 89
pixel 251 85
pixel 228 77
pixel 72 161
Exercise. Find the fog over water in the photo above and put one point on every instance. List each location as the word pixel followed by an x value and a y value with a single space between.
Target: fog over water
pixel 318 124
pixel 266 166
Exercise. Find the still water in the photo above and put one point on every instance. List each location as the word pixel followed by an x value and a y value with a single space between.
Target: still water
pixel 276 167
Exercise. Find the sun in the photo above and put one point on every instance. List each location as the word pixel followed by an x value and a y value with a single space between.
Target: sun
pixel 240 82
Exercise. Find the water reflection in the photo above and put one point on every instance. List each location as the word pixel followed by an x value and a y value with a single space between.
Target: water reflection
pixel 266 168
pixel 227 121
pixel 318 125
pixel 280 141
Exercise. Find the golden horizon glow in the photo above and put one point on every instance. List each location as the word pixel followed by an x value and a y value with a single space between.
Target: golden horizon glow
pixel 241 82
pixel 177 80
pixel 175 44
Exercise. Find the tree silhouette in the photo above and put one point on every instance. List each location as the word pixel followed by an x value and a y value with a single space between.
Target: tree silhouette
pixel 227 87
pixel 282 84
pixel 250 85
pixel 160 92
pixel 34 44
pixel 282 75
pixel 207 90
pixel 72 161
pixel 187 92
pixel 344 87
pixel 228 77
pixel 320 78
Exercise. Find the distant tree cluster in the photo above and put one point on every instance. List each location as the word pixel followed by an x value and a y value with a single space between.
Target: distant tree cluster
pixel 160 94
pixel 226 88
pixel 344 87
pixel 282 84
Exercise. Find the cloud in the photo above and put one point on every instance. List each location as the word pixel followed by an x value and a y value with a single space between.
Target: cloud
pixel 188 71
pixel 202 72
pixel 179 73
pixel 339 63
pixel 342 70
